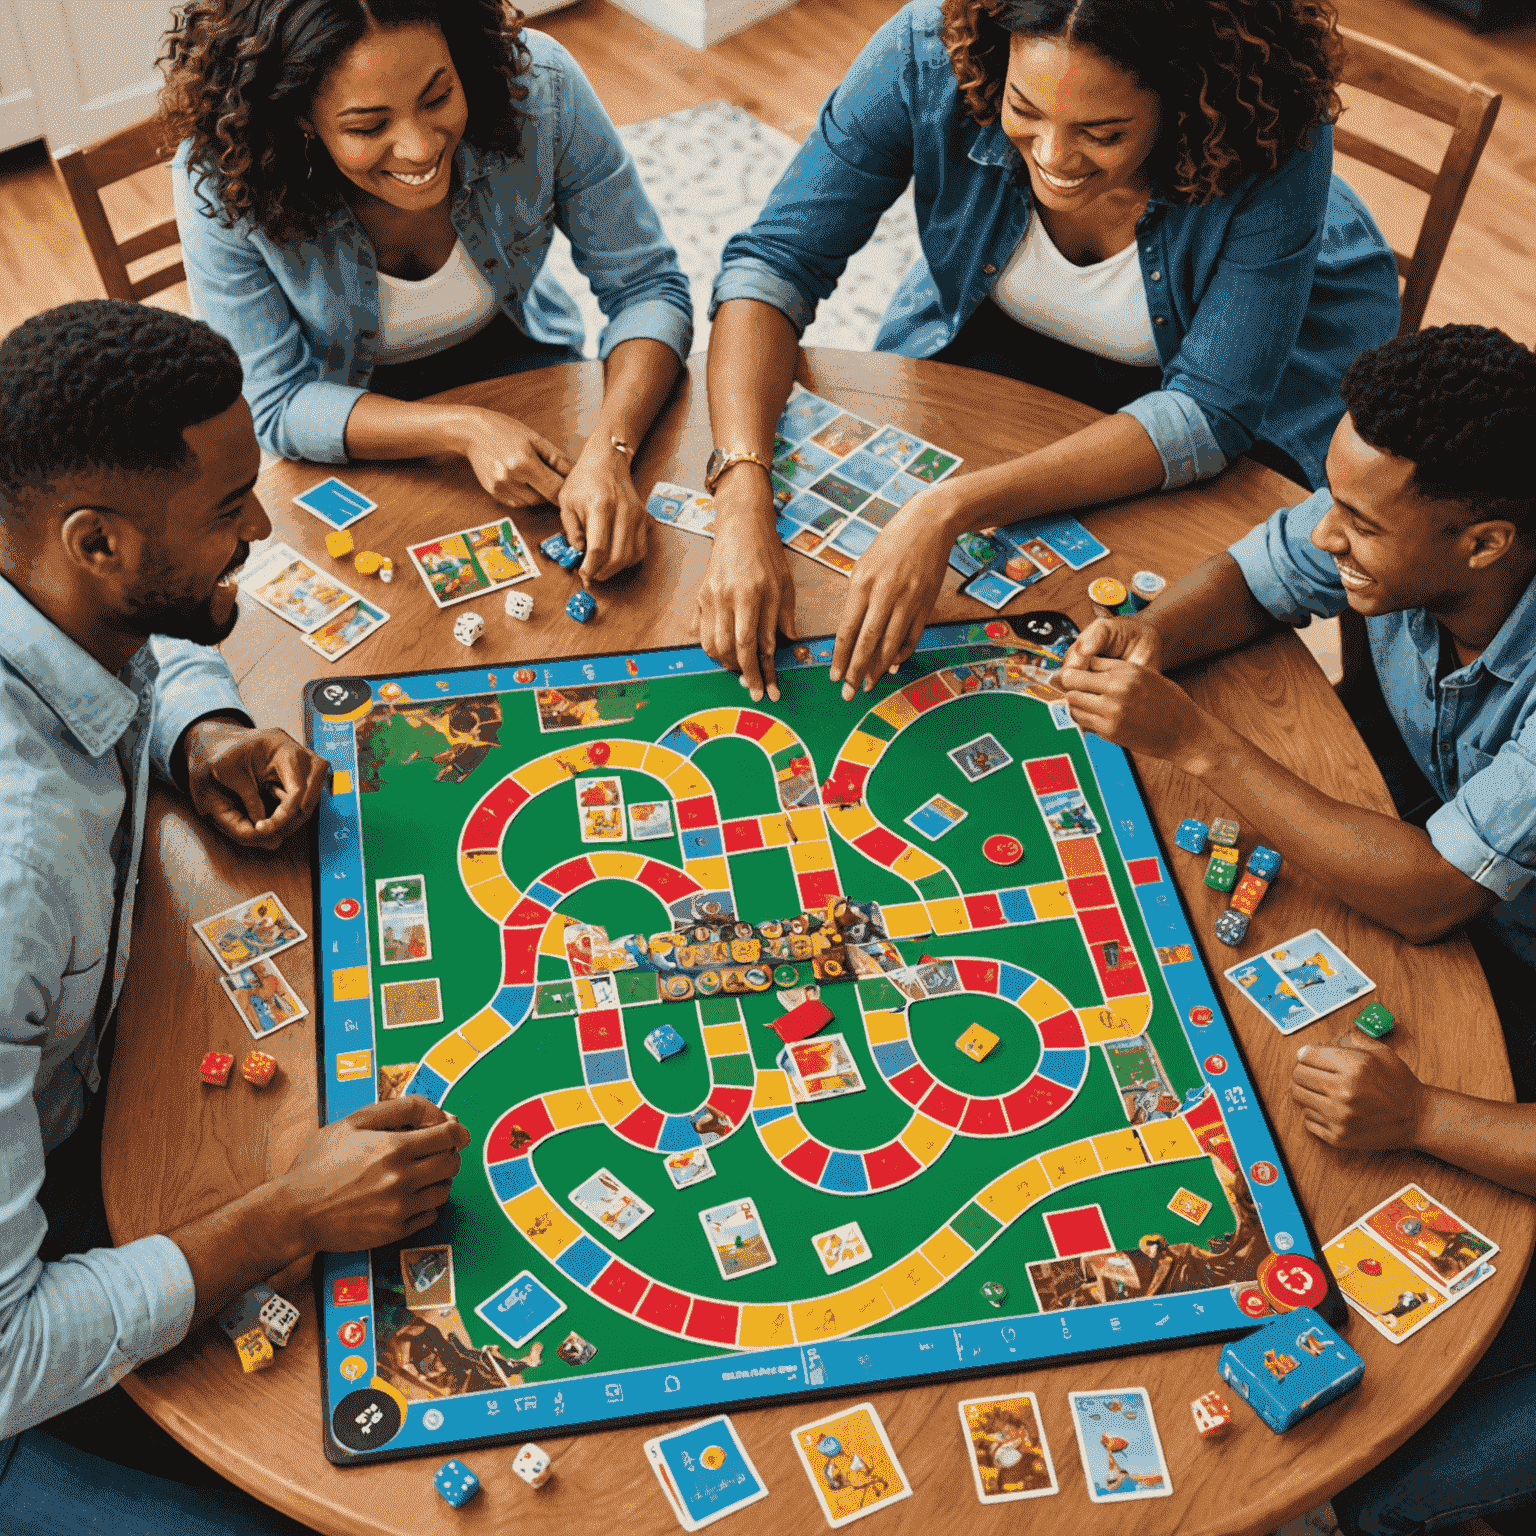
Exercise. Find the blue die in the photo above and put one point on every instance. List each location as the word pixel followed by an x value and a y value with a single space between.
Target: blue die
pixel 1191 835
pixel 1291 1368
pixel 560 552
pixel 664 1041
pixel 1232 927
pixel 1264 862
pixel 456 1483
pixel 581 607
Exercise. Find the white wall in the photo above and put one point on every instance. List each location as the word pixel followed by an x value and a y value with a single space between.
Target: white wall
pixel 701 23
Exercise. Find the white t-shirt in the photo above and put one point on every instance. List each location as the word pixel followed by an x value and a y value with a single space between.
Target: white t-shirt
pixel 418 319
pixel 1101 309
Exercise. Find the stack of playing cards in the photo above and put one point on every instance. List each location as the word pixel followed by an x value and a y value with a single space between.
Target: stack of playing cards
pixel 1407 1260
pixel 1299 981
pixel 705 1472
pixel 331 617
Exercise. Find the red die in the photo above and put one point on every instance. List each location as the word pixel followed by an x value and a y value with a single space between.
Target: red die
pixel 1213 1416
pixel 257 1068
pixel 1249 893
pixel 215 1068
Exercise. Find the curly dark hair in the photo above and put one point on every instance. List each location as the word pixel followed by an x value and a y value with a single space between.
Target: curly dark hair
pixel 105 384
pixel 239 73
pixel 1459 402
pixel 1242 82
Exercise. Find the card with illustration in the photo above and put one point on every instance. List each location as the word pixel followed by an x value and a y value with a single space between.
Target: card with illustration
pixel 840 1248
pixel 404 1003
pixel 1432 1238
pixel 1192 1207
pixel 676 504
pixel 616 1208
pixel 600 804
pixel 1006 1447
pixel 428 1276
pixel 404 931
pixel 1300 981
pixel 473 561
pixel 844 433
pixel 243 934
pixel 705 1472
pixel 690 1166
pixel 851 1464
pixel 979 757
pixel 1117 1439
pixel 1061 716
pixel 1064 535
pixel 346 629
pixel 335 503
pixel 263 998
pixel 736 1238
pixel 650 819
pixel 1067 815
pixel 523 1307
pixel 820 1068
pixel 803 414
pixel 993 590
pixel 281 579
pixel 894 447
pixel 936 816
pixel 1391 1295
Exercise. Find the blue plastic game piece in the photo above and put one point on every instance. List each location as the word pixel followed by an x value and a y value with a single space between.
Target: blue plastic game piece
pixel 581 607
pixel 1191 835
pixel 1291 1368
pixel 560 552
pixel 1232 927
pixel 1264 862
pixel 457 1484
pixel 664 1041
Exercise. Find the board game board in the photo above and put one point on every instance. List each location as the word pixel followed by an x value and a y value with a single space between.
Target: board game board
pixel 563 857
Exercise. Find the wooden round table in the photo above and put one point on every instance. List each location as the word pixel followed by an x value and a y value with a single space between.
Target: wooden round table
pixel 173 1150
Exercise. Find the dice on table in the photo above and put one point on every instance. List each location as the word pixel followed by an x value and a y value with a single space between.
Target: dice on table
pixel 257 1068
pixel 1213 1415
pixel 244 1312
pixel 1291 1368
pixel 561 552
pixel 532 1465
pixel 279 1318
pixel 1224 832
pixel 581 607
pixel 1221 872
pixel 468 628
pixel 518 605
pixel 664 1041
pixel 1232 927
pixel 1264 862
pixel 457 1484
pixel 1191 835
pixel 215 1068
pixel 1249 893
pixel 1374 1020
pixel 255 1349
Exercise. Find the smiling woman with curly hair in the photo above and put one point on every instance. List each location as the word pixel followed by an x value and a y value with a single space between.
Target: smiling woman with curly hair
pixel 366 190
pixel 1130 202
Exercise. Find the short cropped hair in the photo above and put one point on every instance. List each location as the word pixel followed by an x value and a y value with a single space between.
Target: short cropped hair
pixel 104 384
pixel 1458 402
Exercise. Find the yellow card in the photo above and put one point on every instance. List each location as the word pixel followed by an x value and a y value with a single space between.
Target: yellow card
pixel 1189 1205
pixel 851 1465
pixel 1380 1286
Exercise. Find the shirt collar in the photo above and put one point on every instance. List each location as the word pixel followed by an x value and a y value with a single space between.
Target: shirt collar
pixel 1508 656
pixel 95 706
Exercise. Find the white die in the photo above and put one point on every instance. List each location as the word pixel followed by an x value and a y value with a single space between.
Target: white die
pixel 468 628
pixel 519 605
pixel 532 1465
pixel 279 1318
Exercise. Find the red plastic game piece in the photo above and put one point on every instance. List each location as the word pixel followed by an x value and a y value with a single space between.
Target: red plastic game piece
pixel 257 1068
pixel 598 751
pixel 802 1021
pixel 997 630
pixel 1291 1280
pixel 347 907
pixel 1370 1266
pixel 215 1068
pixel 1003 849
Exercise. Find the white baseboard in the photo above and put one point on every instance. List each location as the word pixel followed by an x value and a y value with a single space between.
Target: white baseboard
pixel 702 23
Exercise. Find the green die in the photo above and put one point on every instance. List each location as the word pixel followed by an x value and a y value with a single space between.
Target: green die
pixel 1221 874
pixel 1374 1020
pixel 995 1294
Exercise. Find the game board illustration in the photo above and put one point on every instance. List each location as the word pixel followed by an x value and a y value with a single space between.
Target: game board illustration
pixel 1100 1179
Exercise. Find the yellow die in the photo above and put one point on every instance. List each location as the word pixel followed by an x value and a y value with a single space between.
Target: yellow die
pixel 976 1042
pixel 338 544
pixel 255 1349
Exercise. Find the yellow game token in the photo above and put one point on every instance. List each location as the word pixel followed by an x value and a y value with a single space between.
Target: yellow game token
pixel 1107 592
pixel 338 545
pixel 367 562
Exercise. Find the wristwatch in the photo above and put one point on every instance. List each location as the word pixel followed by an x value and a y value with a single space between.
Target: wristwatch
pixel 722 459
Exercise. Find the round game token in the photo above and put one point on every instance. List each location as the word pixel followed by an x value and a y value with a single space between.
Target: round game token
pixel 786 976
pixel 1055 631
pixel 1107 592
pixel 389 692
pixel 1215 1065
pixel 707 983
pixel 830 968
pixel 742 931
pixel 758 978
pixel 353 1332
pixel 1001 848
pixel 353 1367
pixel 1370 1266
pixel 1201 1018
pixel 713 1457
pixel 1291 1280
pixel 368 1417
pixel 1262 1172
pixel 1251 1303
pixel 367 562
pixel 524 675
pixel 995 1293
pixel 1020 568
pixel 347 907
pixel 771 929
pixel 677 987
pixel 997 630
pixel 598 751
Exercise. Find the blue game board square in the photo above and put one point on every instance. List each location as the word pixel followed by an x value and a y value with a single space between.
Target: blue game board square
pixel 678 1135
pixel 1016 905
pixel 584 1260
pixel 702 843
pixel 845 1174
pixel 546 894
pixel 768 1116
pixel 1065 1067
pixel 514 1004
pixel 679 741
pixel 521 1308
pixel 893 1057
pixel 429 1084
pixel 1013 981
pixel 605 1066
pixel 512 1178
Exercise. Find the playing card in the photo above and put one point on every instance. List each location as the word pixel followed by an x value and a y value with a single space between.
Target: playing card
pixel 851 1465
pixel 350 627
pixel 1392 1296
pixel 840 1248
pixel 649 819
pixel 705 1472
pixel 428 1276
pixel 1192 1207
pixel 616 1208
pixel 993 590
pixel 335 503
pixel 820 1068
pixel 1006 1446
pixel 1117 1440
pixel 803 414
pixel 404 1003
pixel 282 580
pixel 979 757
pixel 692 1166
pixel 1061 716
pixel 1065 535
pixel 844 433
pixel 932 465
pixel 244 933
pixel 263 998
pixel 405 935
pixel 936 816
pixel 841 493
pixel 473 561
pixel 1432 1238
pixel 1042 554
pixel 523 1307
pixel 600 805
pixel 1300 981
pixel 1067 815
pixel 736 1238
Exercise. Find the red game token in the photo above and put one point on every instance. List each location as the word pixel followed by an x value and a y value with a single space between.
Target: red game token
pixel 1370 1266
pixel 997 630
pixel 598 752
pixel 353 1332
pixel 1215 1065
pixel 1263 1173
pixel 347 907
pixel 1201 1018
pixel 523 675
pixel 1252 1303
pixel 1290 1281
pixel 349 1291
pixel 1003 849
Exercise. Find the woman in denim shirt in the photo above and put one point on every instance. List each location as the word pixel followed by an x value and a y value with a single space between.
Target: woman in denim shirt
pixel 1128 201
pixel 365 196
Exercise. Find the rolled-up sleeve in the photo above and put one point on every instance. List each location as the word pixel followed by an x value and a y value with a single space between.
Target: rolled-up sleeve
pixel 1489 830
pixel 193 681
pixel 1287 574
pixel 1181 435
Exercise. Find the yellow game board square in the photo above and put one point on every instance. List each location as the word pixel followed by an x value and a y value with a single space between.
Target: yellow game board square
pixel 1106 1022
pixel 1042 1001
pixel 896 710
pixel 571 1106
pixel 486 1029
pixel 903 1283
pixel 775 829
pixel 851 821
pixel 541 773
pixel 625 754
pixel 615 1100
pixel 777 737
pixel 947 1251
pixel 496 897
pixel 712 874
pixel 782 1136
pixel 1015 1191
pixel 724 1039
pixel 1168 1140
pixel 925 1138
pixel 553 942
pixel 913 864
pixel 542 1222
pixel 484 864
pixel 1051 899
pixel 608 864
pixel 906 920
pixel 842 1312
pixel 807 857
pixel 1134 1010
pixel 349 982
pixel 949 915
pixel 1119 1149
pixel 685 782
pixel 861 747
pixel 451 1056
pixel 1070 1163
pixel 341 782
pixel 807 825
pixel 772 1089
pixel 716 722
pixel 764 1328
pixel 884 1024
pixel 659 762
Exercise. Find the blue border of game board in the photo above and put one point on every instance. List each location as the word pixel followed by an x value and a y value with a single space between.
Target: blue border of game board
pixel 860 1363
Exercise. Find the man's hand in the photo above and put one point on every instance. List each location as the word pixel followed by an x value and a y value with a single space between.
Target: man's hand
pixel 601 512
pixel 1358 1093
pixel 748 593
pixel 511 461
pixel 1136 708
pixel 374 1177
pixel 232 768
pixel 1124 638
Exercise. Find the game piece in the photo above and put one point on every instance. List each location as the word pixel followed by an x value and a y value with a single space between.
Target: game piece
pixel 518 605
pixel 1264 862
pixel 1224 832
pixel 581 606
pixel 977 1043
pixel 664 1041
pixel 532 1464
pixel 1145 585
pixel 1191 835
pixel 1249 893
pixel 785 976
pixel 1213 1415
pixel 386 572
pixel 556 548
pixel 457 1484
pixel 339 544
pixel 468 628
pixel 995 1293
pixel 1221 872
pixel 1291 1368
pixel 1232 926
pixel 1109 596
pixel 244 1312
pixel 215 1068
pixel 1001 848
pixel 367 562
pixel 802 1022
pixel 257 1068
pixel 255 1349
pixel 1374 1020
pixel 279 1318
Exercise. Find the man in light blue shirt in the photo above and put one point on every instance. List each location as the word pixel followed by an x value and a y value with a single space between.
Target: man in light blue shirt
pixel 127 473
pixel 1427 529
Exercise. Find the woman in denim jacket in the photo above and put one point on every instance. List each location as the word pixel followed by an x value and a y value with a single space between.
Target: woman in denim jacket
pixel 365 195
pixel 1126 201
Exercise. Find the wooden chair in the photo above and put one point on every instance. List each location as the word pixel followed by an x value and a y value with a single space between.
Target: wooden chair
pixel 84 172
pixel 1397 76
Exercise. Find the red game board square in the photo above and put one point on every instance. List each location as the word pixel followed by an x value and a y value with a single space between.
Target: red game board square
pixel 1206 1112
pixel 944 1105
pixel 483 829
pixel 506 797
pixel 528 913
pixel 1103 924
pixel 531 1118
pixel 1081 1230
pixel 698 812
pixel 1034 1103
pixel 519 953
pixel 742 835
pixel 668 883
pixel 714 1321
pixel 889 1165
pixel 985 911
pixel 977 975
pixel 912 1084
pixel 817 885
pixel 753 725
pixel 1125 983
pixel 1091 891
pixel 807 1160
pixel 642 1126
pixel 620 1286
pixel 850 777
pixel 1049 775
pixel 566 877
pixel 733 1103
pixel 664 1308
pixel 1142 871
pixel 882 846
pixel 984 1117
pixel 1079 856
pixel 926 692
pixel 602 1030
pixel 1062 1032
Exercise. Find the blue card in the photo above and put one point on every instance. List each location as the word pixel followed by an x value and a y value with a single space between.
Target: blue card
pixel 866 469
pixel 335 502
pixel 705 1472
pixel 1117 1439
pixel 1067 537
pixel 992 589
pixel 854 537
pixel 521 1308
pixel 936 816
pixel 1269 992
pixel 805 413
pixel 1300 980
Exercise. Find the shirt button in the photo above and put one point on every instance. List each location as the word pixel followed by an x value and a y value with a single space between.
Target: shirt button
pixel 989 269
pixel 1157 277
pixel 1158 320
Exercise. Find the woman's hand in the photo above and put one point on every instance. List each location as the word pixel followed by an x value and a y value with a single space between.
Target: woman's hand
pixel 511 461
pixel 601 512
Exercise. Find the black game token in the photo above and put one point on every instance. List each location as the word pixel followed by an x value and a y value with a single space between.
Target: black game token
pixel 366 1419
pixel 1046 627
pixel 341 695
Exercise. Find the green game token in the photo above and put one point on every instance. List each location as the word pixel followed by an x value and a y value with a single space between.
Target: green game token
pixel 786 976
pixel 1374 1020
pixel 995 1294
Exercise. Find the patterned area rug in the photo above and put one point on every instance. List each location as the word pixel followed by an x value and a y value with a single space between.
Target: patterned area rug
pixel 709 170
